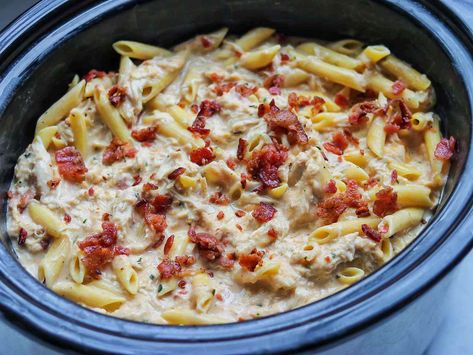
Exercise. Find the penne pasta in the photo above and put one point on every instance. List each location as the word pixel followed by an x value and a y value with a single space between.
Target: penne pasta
pixel 350 275
pixel 79 130
pixel 138 50
pixel 46 135
pixel 330 56
pixel 401 220
pixel 376 137
pixel 411 77
pixel 43 216
pixel 260 58
pixel 125 273
pixel 53 262
pixel 327 233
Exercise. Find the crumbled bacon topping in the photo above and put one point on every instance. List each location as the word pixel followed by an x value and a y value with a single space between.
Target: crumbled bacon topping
pixel 205 41
pixel 67 218
pixel 281 121
pixel 185 260
pixel 252 260
pixel 340 141
pixel 53 183
pixel 264 212
pixel 117 151
pixel 241 148
pixel 215 78
pixel 24 199
pixel 331 187
pixel 341 100
pixel 284 58
pixel 386 202
pixel 116 95
pixel 219 199
pixel 296 102
pixel 147 134
pixel 176 173
pixel 399 116
pixel 70 164
pixel 331 208
pixel 264 164
pixel 22 234
pixel 168 244
pixel 273 84
pixel 240 213
pixel 220 215
pixel 398 87
pixel 202 156
pixel 207 109
pixel 100 249
pixel 272 233
pixel 394 176
pixel 136 180
pixel 168 268
pixel 223 87
pixel 445 149
pixel 209 246
pixel 153 212
pixel 371 233
pixel 231 163
pixel 245 90
pixel 360 111
pixel 94 74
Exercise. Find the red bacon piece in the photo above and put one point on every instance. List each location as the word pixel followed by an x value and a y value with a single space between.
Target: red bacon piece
pixel 264 164
pixel 168 268
pixel 100 249
pixel 22 234
pixel 116 95
pixel 331 187
pixel 205 41
pixel 176 173
pixel 67 218
pixel 209 246
pixel 162 203
pixel 371 233
pixel 284 58
pixel 202 156
pixel 53 183
pixel 394 177
pixel 399 116
pixel 277 119
pixel 338 144
pixel 245 90
pixel 220 215
pixel 222 88
pixel 185 260
pixel 147 134
pixel 219 199
pixel 157 222
pixel 215 78
pixel 240 213
pixel 445 149
pixel 241 148
pixel 70 164
pixel 136 180
pixel 272 233
pixel 398 87
pixel 94 74
pixel 207 109
pixel 341 100
pixel 117 151
pixel 273 84
pixel 252 260
pixel 168 244
pixel 386 202
pixel 264 212
pixel 360 111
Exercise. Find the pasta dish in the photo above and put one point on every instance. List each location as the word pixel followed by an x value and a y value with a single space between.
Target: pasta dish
pixel 229 178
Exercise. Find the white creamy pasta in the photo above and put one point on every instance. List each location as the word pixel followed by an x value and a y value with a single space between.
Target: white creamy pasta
pixel 227 178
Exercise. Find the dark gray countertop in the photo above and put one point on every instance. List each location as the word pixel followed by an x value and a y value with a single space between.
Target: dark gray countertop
pixel 455 335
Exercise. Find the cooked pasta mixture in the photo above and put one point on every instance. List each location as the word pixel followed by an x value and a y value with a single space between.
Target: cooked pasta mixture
pixel 228 178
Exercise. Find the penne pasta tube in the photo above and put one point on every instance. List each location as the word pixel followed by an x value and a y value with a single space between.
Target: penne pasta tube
pixel 203 292
pixel 401 220
pixel 411 77
pixel 62 107
pixel 43 216
pixel 77 268
pixel 375 53
pixel 327 233
pixel 379 83
pixel 432 137
pixel 138 50
pixel 260 58
pixel 330 56
pixel 46 135
pixel 125 273
pixel 413 196
pixel 189 317
pixel 53 262
pixel 79 131
pixel 347 46
pixel 376 136
pixel 110 116
pixel 254 38
pixel 350 275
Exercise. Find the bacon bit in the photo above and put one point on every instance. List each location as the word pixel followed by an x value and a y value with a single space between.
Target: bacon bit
pixel 116 95
pixel 207 109
pixel 244 90
pixel 285 120
pixel 67 218
pixel 341 100
pixel 70 164
pixel 284 58
pixel 44 242
pixel 153 218
pixel 90 191
pixel 22 236
pixel 168 244
pixel 185 260
pixel 383 228
pixel 239 227
pixel 351 138
pixel 194 108
pixel 264 164
pixel 219 199
pixel 273 84
pixel 24 199
pixel 198 127
pixel 274 90
pixel 106 217
pixel 136 180
pixel 176 173
pixel 363 211
pixel 241 148
pixel 162 203
pixel 393 177
pixel 272 233
pixel 445 149
pixel 147 186
pixel 206 43
pixel 94 74
pixel 181 284
pixel 209 246
pixel 240 213
pixel 360 111
pixel 328 259
pixel 219 297
pixel 252 260
pixel 331 208
pixel 100 249
pixel 398 87
pixel 168 268
pixel 223 88
pixel 220 215
pixel 262 109
pixel 338 144
pixel 331 187
pixel 202 156
pixel 231 163
pixel 117 151
pixel 370 183
pixel 386 202
pixel 264 212
pixel 399 116
pixel 371 233
pixel 296 102
pixel 53 183
pixel 215 78
pixel 243 179
pixel 147 134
